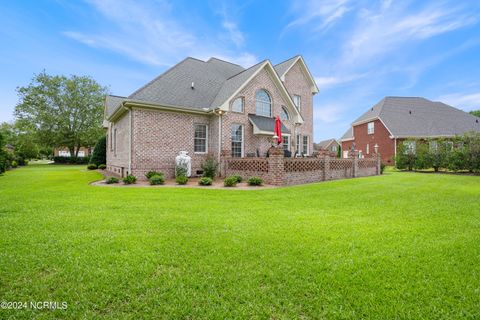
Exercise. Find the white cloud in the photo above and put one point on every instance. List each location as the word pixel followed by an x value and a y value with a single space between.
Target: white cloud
pixel 147 33
pixel 328 114
pixel 323 13
pixel 465 101
pixel 379 32
pixel 333 81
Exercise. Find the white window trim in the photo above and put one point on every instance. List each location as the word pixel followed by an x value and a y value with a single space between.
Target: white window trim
pixel 242 149
pixel 284 109
pixel 373 128
pixel 288 144
pixel 299 106
pixel 368 148
pixel 206 138
pixel 243 105
pixel 308 145
pixel 271 102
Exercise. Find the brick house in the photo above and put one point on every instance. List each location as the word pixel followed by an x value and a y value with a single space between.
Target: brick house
pixel 330 145
pixel 395 119
pixel 213 108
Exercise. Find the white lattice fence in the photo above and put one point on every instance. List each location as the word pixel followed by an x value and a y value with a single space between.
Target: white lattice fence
pixel 300 165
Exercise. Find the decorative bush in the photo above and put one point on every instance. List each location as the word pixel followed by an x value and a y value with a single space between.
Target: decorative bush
pixel 130 179
pixel 92 166
pixel 181 179
pixel 180 171
pixel 230 181
pixel 209 167
pixel 382 168
pixel 156 179
pixel 239 178
pixel 14 164
pixel 102 167
pixel 111 180
pixel 255 181
pixel 99 154
pixel 205 181
pixel 72 160
pixel 152 173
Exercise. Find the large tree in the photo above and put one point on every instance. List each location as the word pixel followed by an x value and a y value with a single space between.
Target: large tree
pixel 475 113
pixel 62 111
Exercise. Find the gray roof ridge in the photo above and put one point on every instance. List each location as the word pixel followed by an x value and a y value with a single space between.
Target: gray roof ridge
pixel 255 65
pixel 163 74
pixel 116 96
pixel 294 57
pixel 215 58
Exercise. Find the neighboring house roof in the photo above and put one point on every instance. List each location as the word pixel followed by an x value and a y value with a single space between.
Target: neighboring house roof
pixel 201 85
pixel 418 117
pixel 264 125
pixel 348 135
pixel 326 143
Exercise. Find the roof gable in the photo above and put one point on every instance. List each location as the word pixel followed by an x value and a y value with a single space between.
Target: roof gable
pixel 419 117
pixel 284 67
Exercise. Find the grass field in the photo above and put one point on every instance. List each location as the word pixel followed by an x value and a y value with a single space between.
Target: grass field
pixel 401 245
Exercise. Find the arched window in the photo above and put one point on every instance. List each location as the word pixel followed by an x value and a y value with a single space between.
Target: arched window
pixel 237 105
pixel 263 103
pixel 284 114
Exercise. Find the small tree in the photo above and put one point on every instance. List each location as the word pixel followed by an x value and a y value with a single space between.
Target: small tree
pixel 209 167
pixel 421 156
pixel 405 158
pixel 3 155
pixel 99 155
pixel 339 152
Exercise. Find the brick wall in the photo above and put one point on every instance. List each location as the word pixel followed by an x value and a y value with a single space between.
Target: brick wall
pixel 159 136
pixel 117 159
pixel 297 83
pixel 277 170
pixel 381 136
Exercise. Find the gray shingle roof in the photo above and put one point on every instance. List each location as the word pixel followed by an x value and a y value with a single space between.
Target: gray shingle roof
pixel 282 67
pixel 347 135
pixel 265 123
pixel 419 117
pixel 214 82
pixel 233 83
pixel 111 103
pixel 325 143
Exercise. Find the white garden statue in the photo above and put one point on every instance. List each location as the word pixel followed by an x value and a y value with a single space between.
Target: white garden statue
pixel 185 161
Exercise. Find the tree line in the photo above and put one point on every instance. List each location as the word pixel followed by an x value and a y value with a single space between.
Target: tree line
pixel 53 111
pixel 461 153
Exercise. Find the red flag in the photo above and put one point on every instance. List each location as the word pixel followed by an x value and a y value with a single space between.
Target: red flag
pixel 278 129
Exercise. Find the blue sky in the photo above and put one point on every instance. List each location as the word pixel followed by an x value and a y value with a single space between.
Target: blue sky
pixel 358 51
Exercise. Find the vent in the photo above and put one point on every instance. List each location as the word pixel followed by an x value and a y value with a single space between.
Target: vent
pixel 193 85
pixel 410 112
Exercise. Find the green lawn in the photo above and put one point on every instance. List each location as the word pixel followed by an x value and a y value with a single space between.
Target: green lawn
pixel 401 245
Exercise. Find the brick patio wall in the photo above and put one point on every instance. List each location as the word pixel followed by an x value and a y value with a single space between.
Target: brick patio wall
pixel 277 170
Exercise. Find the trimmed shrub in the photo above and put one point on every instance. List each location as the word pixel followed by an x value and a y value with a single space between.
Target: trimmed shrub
pixel 112 180
pixel 239 178
pixel 382 168
pixel 130 179
pixel 92 166
pixel 102 167
pixel 255 181
pixel 156 179
pixel 205 181
pixel 405 158
pixel 181 179
pixel 99 154
pixel 180 171
pixel 14 164
pixel 71 160
pixel 230 181
pixel 152 173
pixel 209 167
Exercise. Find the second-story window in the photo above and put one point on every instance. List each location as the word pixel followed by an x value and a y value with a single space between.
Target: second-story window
pixel 298 101
pixel 284 114
pixel 263 103
pixel 237 105
pixel 371 127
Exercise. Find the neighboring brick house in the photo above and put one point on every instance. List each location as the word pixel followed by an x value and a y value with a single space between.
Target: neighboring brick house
pixel 65 152
pixel 395 119
pixel 209 107
pixel 330 145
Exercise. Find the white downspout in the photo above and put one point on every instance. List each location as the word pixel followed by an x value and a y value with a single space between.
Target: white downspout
pixel 130 142
pixel 219 137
